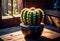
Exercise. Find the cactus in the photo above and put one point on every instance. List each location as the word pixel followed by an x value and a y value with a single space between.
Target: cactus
pixel 31 16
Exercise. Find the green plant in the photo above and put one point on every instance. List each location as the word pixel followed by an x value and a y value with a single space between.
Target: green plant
pixel 31 16
pixel 15 7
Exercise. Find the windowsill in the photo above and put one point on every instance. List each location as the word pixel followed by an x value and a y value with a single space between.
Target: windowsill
pixel 8 17
pixel 52 12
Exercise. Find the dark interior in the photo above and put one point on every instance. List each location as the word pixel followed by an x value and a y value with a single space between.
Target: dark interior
pixel 48 18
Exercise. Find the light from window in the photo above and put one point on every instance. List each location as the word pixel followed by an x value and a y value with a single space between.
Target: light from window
pixel 11 7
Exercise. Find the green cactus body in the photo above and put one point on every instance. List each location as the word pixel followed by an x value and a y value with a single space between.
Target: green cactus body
pixel 31 16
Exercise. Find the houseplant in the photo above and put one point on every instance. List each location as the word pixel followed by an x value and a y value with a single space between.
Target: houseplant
pixel 31 25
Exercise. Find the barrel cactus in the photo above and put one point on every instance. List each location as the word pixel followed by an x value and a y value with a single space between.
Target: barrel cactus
pixel 31 16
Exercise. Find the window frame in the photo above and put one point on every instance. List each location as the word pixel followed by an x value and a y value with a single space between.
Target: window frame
pixel 0 10
pixel 8 21
pixel 12 14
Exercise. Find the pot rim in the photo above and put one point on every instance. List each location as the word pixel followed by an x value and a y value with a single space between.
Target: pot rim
pixel 25 25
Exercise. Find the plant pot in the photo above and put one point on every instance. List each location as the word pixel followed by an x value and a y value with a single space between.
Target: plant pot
pixel 32 32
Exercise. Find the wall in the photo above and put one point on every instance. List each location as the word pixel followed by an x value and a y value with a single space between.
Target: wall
pixel 44 4
pixel 5 23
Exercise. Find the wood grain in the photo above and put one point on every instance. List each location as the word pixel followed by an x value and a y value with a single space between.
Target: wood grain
pixel 16 34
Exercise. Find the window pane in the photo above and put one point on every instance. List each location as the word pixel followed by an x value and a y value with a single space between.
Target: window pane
pixel 11 7
pixel 18 5
pixel 15 10
pixel 6 7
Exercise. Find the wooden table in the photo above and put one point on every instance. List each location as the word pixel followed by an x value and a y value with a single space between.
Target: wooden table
pixel 15 34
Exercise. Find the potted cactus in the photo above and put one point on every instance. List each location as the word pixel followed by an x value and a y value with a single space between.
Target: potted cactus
pixel 31 22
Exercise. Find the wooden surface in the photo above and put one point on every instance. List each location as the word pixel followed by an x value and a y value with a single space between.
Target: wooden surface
pixel 52 17
pixel 52 12
pixel 15 34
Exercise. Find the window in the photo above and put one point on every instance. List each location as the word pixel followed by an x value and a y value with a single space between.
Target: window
pixel 11 8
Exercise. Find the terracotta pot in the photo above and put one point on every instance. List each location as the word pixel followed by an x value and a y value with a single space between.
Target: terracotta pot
pixel 32 32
